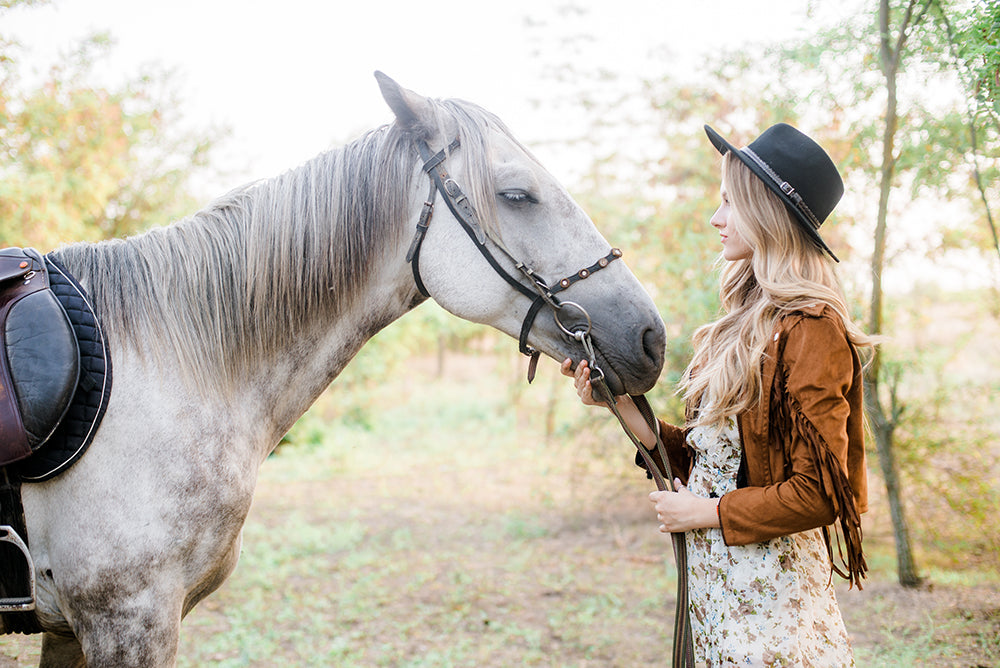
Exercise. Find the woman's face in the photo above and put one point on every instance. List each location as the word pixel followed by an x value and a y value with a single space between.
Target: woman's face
pixel 733 246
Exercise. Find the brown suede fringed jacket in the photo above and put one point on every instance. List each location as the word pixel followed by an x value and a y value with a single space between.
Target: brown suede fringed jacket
pixel 803 462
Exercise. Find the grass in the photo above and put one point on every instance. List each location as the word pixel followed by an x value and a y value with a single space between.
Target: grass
pixel 448 529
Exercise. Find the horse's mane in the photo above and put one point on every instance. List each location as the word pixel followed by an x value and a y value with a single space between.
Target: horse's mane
pixel 224 289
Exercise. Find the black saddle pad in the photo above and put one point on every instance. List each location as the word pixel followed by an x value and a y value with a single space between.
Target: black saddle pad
pixel 83 417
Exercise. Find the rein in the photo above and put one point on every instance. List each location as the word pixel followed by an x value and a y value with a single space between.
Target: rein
pixel 683 648
pixel 542 294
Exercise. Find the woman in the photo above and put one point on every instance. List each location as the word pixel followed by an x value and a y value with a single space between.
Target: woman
pixel 772 450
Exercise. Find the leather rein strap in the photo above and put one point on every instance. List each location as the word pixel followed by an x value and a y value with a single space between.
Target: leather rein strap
pixel 538 290
pixel 683 648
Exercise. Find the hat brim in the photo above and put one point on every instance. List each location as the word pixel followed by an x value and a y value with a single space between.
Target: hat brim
pixel 724 147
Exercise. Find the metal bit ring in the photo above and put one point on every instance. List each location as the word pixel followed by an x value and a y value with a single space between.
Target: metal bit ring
pixel 577 334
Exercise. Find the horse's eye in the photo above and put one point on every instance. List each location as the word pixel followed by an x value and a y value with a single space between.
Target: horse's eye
pixel 517 197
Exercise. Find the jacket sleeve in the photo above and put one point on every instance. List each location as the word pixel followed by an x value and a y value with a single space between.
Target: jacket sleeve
pixel 809 414
pixel 678 454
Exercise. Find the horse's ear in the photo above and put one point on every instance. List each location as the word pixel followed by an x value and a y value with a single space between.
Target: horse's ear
pixel 412 111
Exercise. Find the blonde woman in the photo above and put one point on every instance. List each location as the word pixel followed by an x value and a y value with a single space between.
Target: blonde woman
pixel 770 462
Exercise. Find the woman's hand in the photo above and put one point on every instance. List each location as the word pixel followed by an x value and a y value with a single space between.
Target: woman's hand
pixel 626 407
pixel 682 511
pixel 581 381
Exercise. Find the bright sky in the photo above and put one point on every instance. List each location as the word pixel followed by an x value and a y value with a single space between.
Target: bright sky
pixel 293 78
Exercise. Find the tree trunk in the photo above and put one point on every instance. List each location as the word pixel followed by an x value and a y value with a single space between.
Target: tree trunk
pixel 883 428
pixel 884 419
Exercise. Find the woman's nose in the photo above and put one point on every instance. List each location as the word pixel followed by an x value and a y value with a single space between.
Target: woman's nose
pixel 718 219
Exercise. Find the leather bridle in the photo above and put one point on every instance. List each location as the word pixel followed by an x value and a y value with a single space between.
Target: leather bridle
pixel 542 293
pixel 537 289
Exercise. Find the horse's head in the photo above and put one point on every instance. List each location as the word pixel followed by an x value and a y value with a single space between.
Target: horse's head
pixel 479 256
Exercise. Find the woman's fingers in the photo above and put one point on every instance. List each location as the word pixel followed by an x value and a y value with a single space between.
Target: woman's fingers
pixel 580 375
pixel 581 381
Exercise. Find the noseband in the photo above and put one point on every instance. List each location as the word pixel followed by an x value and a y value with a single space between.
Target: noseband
pixel 537 289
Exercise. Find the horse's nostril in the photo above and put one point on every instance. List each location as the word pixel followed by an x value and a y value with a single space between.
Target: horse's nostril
pixel 654 344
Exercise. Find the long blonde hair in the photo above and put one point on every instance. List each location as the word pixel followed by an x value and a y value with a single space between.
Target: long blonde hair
pixel 786 271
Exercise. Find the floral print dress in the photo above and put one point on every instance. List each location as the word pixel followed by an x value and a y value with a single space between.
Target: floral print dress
pixel 763 604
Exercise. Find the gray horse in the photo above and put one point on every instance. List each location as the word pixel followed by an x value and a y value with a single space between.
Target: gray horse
pixel 225 327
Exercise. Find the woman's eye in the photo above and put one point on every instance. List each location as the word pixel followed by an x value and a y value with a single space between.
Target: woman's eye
pixel 518 197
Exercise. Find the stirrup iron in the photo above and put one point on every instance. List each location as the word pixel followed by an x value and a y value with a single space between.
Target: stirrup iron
pixel 26 601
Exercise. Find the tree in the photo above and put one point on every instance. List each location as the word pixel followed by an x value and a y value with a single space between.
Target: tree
pixel 83 162
pixel 973 41
pixel 885 418
pixel 894 60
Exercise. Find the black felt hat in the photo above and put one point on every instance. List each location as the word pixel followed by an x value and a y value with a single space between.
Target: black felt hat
pixel 796 169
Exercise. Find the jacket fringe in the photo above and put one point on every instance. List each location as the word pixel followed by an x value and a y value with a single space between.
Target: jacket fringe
pixel 787 417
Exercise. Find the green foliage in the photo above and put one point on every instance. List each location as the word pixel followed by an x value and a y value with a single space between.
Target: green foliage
pixel 975 36
pixel 974 47
pixel 836 76
pixel 951 460
pixel 86 162
pixel 946 440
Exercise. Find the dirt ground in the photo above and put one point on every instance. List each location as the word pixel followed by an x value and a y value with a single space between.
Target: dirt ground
pixel 489 572
pixel 497 542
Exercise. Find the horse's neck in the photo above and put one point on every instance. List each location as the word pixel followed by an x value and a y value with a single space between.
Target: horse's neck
pixel 183 341
pixel 290 384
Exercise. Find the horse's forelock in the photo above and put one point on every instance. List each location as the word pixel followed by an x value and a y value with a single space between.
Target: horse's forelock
pixel 475 125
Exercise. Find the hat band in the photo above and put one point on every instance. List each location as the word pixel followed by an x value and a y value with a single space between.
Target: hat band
pixel 784 186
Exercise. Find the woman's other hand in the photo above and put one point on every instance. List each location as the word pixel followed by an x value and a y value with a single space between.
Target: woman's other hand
pixel 682 511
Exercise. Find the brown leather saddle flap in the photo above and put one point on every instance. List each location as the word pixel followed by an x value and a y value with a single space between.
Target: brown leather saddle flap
pixel 39 356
